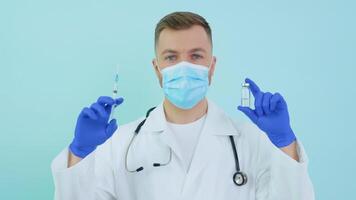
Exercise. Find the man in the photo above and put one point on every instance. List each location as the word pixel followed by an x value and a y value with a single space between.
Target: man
pixel 185 148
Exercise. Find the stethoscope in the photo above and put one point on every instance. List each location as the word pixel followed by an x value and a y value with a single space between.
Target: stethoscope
pixel 239 178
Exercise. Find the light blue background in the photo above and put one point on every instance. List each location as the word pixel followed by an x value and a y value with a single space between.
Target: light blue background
pixel 58 56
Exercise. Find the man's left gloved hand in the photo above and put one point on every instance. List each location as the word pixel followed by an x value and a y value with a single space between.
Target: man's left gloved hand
pixel 270 115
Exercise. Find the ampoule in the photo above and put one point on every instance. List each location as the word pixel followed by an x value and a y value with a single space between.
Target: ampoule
pixel 245 95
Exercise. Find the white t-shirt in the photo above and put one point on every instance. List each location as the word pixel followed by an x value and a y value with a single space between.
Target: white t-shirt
pixel 187 136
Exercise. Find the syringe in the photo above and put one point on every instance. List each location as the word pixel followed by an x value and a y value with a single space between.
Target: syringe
pixel 115 92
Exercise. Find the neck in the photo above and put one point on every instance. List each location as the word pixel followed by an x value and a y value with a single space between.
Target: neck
pixel 181 116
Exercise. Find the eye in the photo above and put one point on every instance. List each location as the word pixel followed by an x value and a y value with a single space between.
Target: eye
pixel 170 58
pixel 196 56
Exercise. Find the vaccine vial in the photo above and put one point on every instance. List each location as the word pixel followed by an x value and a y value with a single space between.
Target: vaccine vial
pixel 245 95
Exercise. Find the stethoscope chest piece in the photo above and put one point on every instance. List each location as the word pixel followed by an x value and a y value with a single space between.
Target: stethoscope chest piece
pixel 240 178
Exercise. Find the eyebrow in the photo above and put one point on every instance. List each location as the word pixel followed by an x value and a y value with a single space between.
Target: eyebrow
pixel 168 51
pixel 190 51
pixel 197 49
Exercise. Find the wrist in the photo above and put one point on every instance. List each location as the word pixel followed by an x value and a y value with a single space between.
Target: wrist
pixel 291 151
pixel 72 159
pixel 81 151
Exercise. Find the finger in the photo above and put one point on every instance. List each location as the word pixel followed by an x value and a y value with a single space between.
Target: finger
pixel 276 100
pixel 273 101
pixel 281 104
pixel 99 109
pixel 249 113
pixel 258 104
pixel 87 112
pixel 253 87
pixel 106 100
pixel 119 101
pixel 111 128
pixel 265 103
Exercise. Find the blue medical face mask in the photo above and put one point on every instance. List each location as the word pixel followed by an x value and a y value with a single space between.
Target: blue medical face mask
pixel 185 84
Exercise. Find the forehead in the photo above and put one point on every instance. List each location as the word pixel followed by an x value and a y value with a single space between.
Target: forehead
pixel 183 40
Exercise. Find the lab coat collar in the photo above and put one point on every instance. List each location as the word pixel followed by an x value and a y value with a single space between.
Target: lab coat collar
pixel 217 122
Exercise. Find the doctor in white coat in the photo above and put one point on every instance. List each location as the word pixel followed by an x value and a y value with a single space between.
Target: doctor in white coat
pixel 186 147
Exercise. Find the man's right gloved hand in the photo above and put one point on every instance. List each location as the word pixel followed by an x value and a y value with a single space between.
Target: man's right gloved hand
pixel 92 127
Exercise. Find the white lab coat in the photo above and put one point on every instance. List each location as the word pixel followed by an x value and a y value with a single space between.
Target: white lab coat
pixel 272 175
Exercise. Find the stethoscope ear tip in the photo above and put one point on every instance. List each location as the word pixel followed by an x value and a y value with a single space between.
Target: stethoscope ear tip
pixel 156 164
pixel 139 169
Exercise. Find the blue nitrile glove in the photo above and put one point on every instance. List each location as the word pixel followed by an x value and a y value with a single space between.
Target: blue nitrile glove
pixel 270 115
pixel 92 127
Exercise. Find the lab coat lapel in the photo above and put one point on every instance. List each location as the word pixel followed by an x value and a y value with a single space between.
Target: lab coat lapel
pixel 156 125
pixel 168 138
pixel 217 123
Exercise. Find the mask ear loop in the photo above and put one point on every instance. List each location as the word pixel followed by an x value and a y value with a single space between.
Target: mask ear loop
pixel 211 63
pixel 159 69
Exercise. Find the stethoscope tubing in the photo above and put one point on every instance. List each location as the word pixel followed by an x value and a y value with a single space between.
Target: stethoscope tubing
pixel 239 177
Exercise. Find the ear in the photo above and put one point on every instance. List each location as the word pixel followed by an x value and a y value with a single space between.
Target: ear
pixel 212 69
pixel 158 73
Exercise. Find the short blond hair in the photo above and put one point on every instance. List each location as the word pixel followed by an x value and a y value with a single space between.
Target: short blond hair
pixel 180 21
